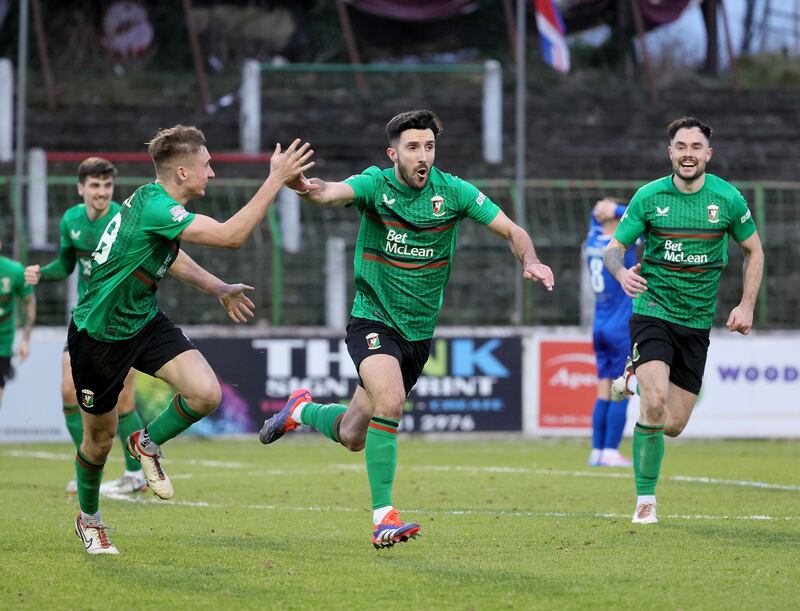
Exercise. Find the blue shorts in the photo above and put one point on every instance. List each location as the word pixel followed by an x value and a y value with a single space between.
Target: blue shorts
pixel 611 348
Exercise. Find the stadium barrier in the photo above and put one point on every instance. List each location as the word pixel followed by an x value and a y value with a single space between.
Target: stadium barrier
pixel 538 381
pixel 286 257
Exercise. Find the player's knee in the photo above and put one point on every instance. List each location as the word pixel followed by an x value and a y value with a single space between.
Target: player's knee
pixel 391 406
pixel 352 443
pixel 205 397
pixel 653 401
pixel 673 429
pixel 97 444
pixel 68 394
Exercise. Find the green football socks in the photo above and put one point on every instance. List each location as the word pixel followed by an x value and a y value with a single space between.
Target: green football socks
pixel 648 451
pixel 381 456
pixel 176 418
pixel 325 418
pixel 88 476
pixel 129 423
pixel 74 421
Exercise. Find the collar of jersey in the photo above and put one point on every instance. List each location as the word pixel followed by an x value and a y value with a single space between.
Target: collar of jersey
pixel 389 172
pixel 679 192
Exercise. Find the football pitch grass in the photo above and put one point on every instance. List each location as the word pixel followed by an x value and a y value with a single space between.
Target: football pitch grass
pixel 518 524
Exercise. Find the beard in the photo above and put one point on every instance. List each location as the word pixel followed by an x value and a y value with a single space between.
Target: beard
pixel 689 174
pixel 412 179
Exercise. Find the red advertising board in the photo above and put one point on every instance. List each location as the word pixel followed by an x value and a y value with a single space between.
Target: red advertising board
pixel 567 384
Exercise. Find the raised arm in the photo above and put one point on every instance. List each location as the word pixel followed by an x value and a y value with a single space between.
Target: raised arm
pixel 231 296
pixel 522 246
pixel 741 317
pixel 285 167
pixel 329 194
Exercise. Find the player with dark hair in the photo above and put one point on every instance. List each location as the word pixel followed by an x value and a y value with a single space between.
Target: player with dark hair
pixel 80 229
pixel 409 219
pixel 117 324
pixel 686 219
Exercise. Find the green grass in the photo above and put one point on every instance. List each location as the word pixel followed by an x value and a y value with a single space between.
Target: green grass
pixel 516 524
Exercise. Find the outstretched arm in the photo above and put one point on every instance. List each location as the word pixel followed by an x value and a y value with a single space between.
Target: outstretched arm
pixel 231 296
pixel 522 247
pixel 741 317
pixel 285 167
pixel 630 280
pixel 23 349
pixel 330 194
pixel 57 269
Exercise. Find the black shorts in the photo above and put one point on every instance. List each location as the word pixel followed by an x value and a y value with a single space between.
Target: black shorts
pixel 99 368
pixel 368 337
pixel 684 349
pixel 6 371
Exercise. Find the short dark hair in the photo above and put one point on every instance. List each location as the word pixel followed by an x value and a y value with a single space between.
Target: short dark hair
pixel 176 141
pixel 95 166
pixel 413 119
pixel 688 122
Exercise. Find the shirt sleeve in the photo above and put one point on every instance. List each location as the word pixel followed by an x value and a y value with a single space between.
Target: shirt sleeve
pixel 166 218
pixel 363 186
pixel 476 205
pixel 632 224
pixel 742 225
pixel 62 266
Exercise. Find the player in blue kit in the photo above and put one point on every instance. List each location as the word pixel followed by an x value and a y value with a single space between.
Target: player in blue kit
pixel 610 335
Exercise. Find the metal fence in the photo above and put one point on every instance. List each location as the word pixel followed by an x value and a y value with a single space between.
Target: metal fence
pixel 290 287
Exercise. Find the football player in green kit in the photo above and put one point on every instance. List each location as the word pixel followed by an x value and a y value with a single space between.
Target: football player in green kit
pixel 409 221
pixel 117 324
pixel 13 287
pixel 80 229
pixel 686 218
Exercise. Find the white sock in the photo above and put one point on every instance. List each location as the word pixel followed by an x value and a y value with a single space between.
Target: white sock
pixel 147 446
pixel 91 519
pixel 595 455
pixel 297 411
pixel 646 498
pixel 379 514
pixel 137 474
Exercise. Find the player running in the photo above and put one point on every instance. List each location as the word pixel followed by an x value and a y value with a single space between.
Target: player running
pixel 686 219
pixel 80 229
pixel 409 220
pixel 117 324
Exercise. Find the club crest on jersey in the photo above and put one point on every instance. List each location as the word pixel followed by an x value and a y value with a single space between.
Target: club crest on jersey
pixel 438 205
pixel 373 341
pixel 713 213
pixel 87 398
pixel 387 201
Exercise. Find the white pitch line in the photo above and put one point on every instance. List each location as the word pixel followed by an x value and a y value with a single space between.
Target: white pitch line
pixel 452 512
pixel 438 468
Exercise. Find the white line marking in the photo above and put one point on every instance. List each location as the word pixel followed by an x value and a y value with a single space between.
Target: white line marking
pixel 438 468
pixel 454 512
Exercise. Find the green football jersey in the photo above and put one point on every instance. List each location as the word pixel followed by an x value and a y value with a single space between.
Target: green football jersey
pixel 12 287
pixel 406 243
pixel 79 237
pixel 686 246
pixel 135 251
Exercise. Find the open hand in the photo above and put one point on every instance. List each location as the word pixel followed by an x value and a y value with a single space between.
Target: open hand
pixel 630 280
pixel 287 166
pixel 539 272
pixel 236 303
